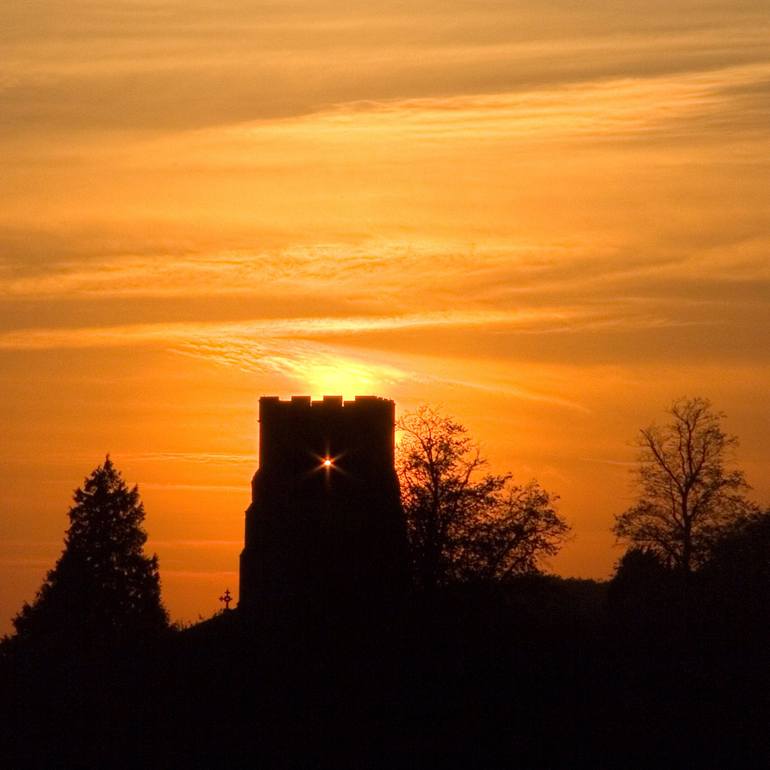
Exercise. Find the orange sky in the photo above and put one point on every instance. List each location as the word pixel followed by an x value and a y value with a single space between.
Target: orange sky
pixel 551 218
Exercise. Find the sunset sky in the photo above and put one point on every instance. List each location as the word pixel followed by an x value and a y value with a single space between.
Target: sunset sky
pixel 551 218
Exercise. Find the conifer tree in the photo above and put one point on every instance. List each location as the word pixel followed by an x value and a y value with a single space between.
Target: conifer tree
pixel 103 587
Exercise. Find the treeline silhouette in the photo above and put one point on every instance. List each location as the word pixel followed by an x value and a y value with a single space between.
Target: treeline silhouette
pixel 665 665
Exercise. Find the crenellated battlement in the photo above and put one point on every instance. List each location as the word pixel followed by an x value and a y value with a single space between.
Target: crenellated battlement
pixel 358 403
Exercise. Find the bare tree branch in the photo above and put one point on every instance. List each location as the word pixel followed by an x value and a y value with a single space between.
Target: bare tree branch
pixel 465 524
pixel 686 491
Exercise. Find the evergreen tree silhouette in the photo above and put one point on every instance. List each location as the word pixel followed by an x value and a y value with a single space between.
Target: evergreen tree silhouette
pixel 103 588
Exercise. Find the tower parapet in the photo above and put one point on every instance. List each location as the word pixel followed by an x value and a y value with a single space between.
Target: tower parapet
pixel 325 523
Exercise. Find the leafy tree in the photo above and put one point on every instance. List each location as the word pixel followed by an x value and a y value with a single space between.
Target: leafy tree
pixel 465 524
pixel 102 588
pixel 735 581
pixel 741 555
pixel 642 595
pixel 687 491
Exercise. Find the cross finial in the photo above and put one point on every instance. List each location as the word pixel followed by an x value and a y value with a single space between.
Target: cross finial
pixel 226 598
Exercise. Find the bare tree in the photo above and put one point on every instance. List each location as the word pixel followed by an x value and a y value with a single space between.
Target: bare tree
pixel 464 523
pixel 687 491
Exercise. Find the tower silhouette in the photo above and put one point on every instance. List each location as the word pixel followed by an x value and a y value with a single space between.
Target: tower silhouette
pixel 325 526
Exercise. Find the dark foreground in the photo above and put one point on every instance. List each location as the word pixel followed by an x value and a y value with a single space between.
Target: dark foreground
pixel 534 674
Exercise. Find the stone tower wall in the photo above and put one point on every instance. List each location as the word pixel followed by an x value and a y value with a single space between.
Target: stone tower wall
pixel 323 535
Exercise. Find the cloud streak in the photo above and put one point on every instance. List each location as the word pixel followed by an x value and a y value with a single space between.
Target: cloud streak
pixel 161 67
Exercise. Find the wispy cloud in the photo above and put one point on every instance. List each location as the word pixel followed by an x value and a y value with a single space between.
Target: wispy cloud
pixel 322 368
pixel 24 562
pixel 200 335
pixel 606 461
pixel 205 544
pixel 171 486
pixel 206 458
pixel 161 67
pixel 205 575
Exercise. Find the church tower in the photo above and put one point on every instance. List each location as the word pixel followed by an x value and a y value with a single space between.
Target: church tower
pixel 325 525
